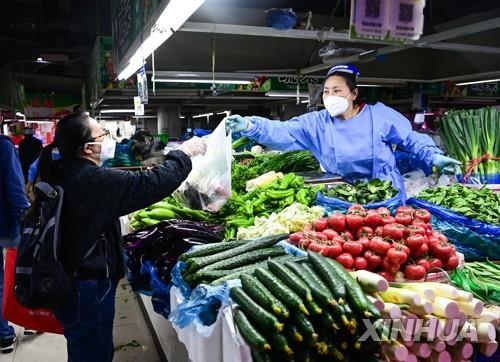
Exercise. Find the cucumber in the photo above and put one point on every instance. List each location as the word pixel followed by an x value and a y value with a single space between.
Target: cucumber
pixel 254 311
pixel 306 327
pixel 329 275
pixel 261 357
pixel 258 292
pixel 245 259
pixel 313 307
pixel 265 242
pixel 328 349
pixel 329 322
pixel 319 291
pixel 210 249
pixel 290 279
pixel 281 291
pixel 281 344
pixel 207 275
pixel 254 339
pixel 293 333
pixel 355 294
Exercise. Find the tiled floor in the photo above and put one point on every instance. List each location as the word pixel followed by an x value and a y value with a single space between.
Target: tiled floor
pixel 132 337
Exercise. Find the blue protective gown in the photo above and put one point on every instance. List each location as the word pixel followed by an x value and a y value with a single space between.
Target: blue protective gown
pixel 359 148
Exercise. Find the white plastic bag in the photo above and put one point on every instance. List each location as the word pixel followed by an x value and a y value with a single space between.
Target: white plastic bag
pixel 208 186
pixel 415 182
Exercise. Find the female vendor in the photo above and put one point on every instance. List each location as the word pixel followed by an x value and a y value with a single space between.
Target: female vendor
pixel 347 138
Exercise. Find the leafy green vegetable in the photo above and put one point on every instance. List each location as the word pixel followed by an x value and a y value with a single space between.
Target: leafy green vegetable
pixel 363 192
pixel 480 278
pixel 481 204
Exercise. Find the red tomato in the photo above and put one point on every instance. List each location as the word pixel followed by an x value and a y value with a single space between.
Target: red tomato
pixel 404 219
pixel 354 222
pixel 383 211
pixel 425 263
pixel 338 239
pixel 416 229
pixel 379 245
pixel 396 256
pixel 405 209
pixel 388 266
pixel 295 238
pixel 418 222
pixel 352 247
pixel 337 222
pixel 388 276
pixel 332 250
pixel 346 260
pixel 393 231
pixel 435 263
pixel 365 242
pixel 304 243
pixel 346 235
pixel 330 234
pixel 379 231
pixel 320 236
pixel 415 241
pixel 360 263
pixel 415 272
pixel 372 259
pixel 321 224
pixel 424 248
pixel 452 262
pixel 432 240
pixel 373 219
pixel 402 247
pixel 364 231
pixel 357 209
pixel 441 250
pixel 316 247
pixel 386 220
pixel 423 215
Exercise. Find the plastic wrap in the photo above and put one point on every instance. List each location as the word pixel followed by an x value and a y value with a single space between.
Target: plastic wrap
pixel 475 239
pixel 160 297
pixel 331 204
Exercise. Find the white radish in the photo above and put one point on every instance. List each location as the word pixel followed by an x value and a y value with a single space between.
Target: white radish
pixel 392 311
pixel 420 288
pixel 473 308
pixel 377 302
pixel 462 351
pixel 371 282
pixel 462 317
pixel 452 343
pixel 396 351
pixel 400 296
pixel 422 350
pixel 438 346
pixel 443 356
pixel 464 296
pixel 411 358
pixel 425 307
pixel 487 317
pixel 443 290
pixel 486 332
pixel 488 348
pixel 444 307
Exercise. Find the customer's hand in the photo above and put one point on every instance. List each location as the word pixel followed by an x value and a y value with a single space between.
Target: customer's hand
pixel 447 164
pixel 237 123
pixel 195 146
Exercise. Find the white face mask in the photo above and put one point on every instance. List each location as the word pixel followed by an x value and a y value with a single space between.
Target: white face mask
pixel 108 147
pixel 336 105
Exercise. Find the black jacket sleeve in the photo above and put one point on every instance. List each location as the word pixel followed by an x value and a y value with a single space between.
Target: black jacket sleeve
pixel 127 191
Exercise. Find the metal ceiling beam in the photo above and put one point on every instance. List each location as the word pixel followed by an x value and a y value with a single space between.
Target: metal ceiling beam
pixel 423 42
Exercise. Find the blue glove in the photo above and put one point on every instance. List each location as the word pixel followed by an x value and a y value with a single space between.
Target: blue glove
pixel 237 123
pixel 447 164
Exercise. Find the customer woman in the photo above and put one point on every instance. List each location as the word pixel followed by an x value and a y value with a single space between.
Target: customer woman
pixel 94 198
pixel 348 138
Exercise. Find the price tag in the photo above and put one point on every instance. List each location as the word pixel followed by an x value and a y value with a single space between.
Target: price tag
pixel 138 106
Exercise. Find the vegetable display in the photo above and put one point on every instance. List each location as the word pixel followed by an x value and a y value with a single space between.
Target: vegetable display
pixel 481 279
pixel 363 192
pixel 470 134
pixel 283 316
pixel 241 210
pixel 481 204
pixel 166 209
pixel 376 241
pixel 293 218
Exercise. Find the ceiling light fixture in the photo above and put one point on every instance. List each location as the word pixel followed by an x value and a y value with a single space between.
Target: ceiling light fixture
pixel 227 113
pixel 171 19
pixel 103 111
pixel 286 94
pixel 370 85
pixel 203 115
pixel 205 81
pixel 479 82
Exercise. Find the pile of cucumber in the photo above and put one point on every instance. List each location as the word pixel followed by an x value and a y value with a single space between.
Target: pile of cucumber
pixel 303 309
pixel 217 263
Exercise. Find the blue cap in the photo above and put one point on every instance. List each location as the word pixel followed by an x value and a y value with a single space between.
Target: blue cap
pixel 343 68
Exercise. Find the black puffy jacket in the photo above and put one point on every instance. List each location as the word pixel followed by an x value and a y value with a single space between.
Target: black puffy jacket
pixel 95 198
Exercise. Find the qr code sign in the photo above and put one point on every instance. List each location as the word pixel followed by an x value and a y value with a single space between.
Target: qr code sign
pixel 405 13
pixel 372 9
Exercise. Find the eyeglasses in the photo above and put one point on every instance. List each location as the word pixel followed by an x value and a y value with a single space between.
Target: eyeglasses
pixel 105 134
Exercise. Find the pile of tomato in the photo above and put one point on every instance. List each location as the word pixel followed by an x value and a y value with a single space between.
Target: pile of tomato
pixel 375 240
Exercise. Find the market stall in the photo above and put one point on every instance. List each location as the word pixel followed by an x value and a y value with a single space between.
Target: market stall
pixel 290 270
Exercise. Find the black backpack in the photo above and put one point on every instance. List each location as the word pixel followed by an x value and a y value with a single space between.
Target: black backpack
pixel 40 280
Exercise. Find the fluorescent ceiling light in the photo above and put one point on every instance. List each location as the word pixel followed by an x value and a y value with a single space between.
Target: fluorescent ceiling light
pixel 306 101
pixel 117 111
pixel 370 85
pixel 40 122
pixel 171 19
pixel 203 115
pixel 479 81
pixel 224 112
pixel 205 81
pixel 286 94
pixel 182 117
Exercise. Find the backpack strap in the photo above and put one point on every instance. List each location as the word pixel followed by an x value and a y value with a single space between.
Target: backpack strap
pixel 48 190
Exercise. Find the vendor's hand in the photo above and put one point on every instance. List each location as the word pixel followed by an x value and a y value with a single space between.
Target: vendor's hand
pixel 447 164
pixel 237 123
pixel 194 146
